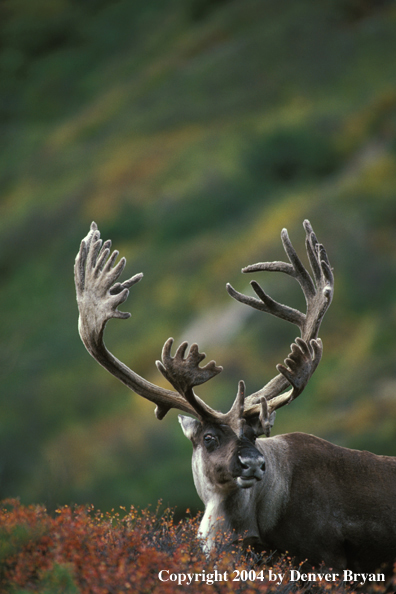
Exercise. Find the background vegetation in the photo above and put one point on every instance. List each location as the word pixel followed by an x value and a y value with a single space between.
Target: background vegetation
pixel 191 131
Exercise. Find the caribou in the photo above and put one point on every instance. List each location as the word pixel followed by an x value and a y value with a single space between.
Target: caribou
pixel 292 493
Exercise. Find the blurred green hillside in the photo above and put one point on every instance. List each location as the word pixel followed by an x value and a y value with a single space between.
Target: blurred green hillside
pixel 191 131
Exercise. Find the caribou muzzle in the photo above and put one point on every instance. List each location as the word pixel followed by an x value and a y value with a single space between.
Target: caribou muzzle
pixel 252 469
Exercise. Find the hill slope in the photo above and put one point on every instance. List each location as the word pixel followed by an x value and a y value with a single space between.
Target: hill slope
pixel 192 132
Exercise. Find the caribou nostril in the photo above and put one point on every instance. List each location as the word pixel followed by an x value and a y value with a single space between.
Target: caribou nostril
pixel 242 463
pixel 262 467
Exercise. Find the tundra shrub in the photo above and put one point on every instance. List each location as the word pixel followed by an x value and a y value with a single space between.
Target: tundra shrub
pixel 81 550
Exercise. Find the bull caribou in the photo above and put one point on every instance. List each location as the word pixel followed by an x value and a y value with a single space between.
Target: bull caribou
pixel 293 492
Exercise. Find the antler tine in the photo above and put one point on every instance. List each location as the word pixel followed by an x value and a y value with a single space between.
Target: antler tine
pixel 310 244
pixel 306 351
pixel 323 280
pixel 266 417
pixel 298 369
pixel 234 416
pixel 98 297
pixel 183 373
pixel 318 304
pixel 300 273
pixel 265 302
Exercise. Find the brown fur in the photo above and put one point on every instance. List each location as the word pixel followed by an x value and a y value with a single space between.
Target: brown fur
pixel 341 505
pixel 317 501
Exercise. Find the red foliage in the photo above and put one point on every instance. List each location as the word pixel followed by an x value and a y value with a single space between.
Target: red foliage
pixel 81 550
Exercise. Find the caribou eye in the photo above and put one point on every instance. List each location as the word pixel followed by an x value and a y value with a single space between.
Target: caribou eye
pixel 210 440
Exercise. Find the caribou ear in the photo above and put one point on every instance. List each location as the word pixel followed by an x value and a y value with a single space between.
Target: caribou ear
pixel 189 425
